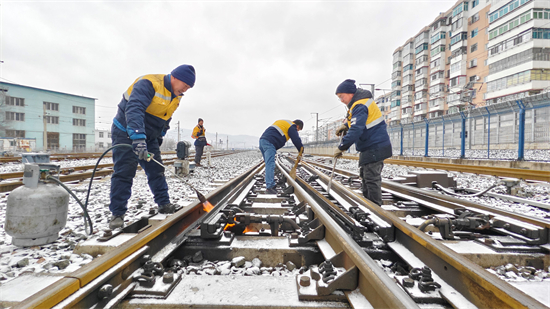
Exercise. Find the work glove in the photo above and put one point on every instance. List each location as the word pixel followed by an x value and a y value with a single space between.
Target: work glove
pixel 342 130
pixel 338 153
pixel 140 148
pixel 160 140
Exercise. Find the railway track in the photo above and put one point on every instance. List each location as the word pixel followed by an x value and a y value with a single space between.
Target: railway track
pixel 542 174
pixel 305 248
pixel 10 181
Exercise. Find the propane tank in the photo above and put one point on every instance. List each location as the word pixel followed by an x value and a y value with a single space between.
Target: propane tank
pixel 181 164
pixel 36 211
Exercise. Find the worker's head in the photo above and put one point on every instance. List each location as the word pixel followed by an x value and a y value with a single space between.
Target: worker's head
pixel 201 121
pixel 182 78
pixel 299 124
pixel 346 90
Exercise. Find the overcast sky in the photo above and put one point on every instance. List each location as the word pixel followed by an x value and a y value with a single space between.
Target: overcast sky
pixel 256 61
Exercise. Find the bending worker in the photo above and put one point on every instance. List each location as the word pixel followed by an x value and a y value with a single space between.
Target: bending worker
pixel 142 119
pixel 274 138
pixel 367 129
pixel 199 135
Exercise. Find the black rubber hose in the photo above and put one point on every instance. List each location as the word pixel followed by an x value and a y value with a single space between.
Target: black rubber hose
pixel 441 188
pixel 86 215
pixel 426 223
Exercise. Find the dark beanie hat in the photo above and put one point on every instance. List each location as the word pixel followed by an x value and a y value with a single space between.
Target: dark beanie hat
pixel 185 73
pixel 200 119
pixel 347 86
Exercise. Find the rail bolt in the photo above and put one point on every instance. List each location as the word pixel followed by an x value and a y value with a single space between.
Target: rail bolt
pixel 168 277
pixel 105 291
pixel 305 281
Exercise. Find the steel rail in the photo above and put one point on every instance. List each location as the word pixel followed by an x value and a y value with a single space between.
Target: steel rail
pixel 156 238
pixel 379 289
pixel 525 174
pixel 475 283
pixel 444 200
pixel 11 185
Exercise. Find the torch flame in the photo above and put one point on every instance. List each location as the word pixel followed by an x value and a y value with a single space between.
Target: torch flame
pixel 207 206
pixel 228 226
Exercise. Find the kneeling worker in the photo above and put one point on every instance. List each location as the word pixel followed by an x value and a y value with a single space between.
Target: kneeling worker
pixel 367 129
pixel 274 138
pixel 143 117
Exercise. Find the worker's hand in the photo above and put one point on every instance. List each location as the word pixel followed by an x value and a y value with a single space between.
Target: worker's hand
pixel 338 153
pixel 342 130
pixel 140 148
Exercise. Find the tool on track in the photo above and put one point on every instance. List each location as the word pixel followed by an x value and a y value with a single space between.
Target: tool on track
pixel 199 195
pixel 333 167
pixel 293 170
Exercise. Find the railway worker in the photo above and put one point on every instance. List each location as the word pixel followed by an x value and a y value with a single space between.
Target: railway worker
pixel 366 128
pixel 199 135
pixel 275 137
pixel 142 119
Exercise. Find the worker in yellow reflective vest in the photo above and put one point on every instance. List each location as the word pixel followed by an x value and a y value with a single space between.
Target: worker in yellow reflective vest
pixel 199 135
pixel 275 137
pixel 365 126
pixel 142 119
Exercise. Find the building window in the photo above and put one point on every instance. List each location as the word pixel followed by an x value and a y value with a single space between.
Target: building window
pixel 473 63
pixel 511 6
pixel 459 37
pixel 510 25
pixel 473 33
pixel 100 134
pixel 100 144
pixel 53 140
pixel 52 119
pixel 15 133
pixel 473 78
pixel 109 136
pixel 52 106
pixel 79 141
pixel 473 48
pixel 79 110
pixel 475 3
pixel 15 101
pixel 15 116
pixel 79 122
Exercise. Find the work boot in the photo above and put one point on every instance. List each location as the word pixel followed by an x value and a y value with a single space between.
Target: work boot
pixel 116 222
pixel 271 191
pixel 167 208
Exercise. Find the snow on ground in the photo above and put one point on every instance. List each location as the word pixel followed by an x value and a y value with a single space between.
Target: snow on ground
pixel 479 154
pixel 57 257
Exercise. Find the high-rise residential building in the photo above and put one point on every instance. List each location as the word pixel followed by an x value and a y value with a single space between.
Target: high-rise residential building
pixel 477 53
pixel 383 103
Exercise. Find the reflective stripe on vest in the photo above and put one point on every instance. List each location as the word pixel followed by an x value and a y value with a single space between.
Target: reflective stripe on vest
pixel 282 126
pixel 375 116
pixel 197 129
pixel 161 105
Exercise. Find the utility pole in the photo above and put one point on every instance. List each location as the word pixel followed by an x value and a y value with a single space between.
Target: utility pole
pixel 178 131
pixel 45 128
pixel 371 88
pixel 227 143
pixel 216 140
pixel 316 127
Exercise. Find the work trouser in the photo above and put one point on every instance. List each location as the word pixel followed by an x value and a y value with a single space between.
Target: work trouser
pixel 371 175
pixel 268 152
pixel 125 166
pixel 198 154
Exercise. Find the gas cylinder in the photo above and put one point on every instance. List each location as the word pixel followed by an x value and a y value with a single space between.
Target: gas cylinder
pixel 37 211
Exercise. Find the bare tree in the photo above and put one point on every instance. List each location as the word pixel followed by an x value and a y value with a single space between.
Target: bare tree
pixel 169 144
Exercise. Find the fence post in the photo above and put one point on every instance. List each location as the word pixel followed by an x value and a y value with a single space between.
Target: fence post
pixel 427 136
pixel 521 133
pixel 488 133
pixel 401 154
pixel 463 136
pixel 443 139
pixel 414 137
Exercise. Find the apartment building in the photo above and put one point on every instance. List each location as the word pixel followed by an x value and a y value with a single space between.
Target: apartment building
pixel 384 103
pixel 54 120
pixel 477 53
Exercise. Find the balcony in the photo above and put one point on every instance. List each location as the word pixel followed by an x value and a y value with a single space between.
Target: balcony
pixel 407 104
pixel 438 107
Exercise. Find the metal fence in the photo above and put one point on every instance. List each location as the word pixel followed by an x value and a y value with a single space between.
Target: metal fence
pixel 502 131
